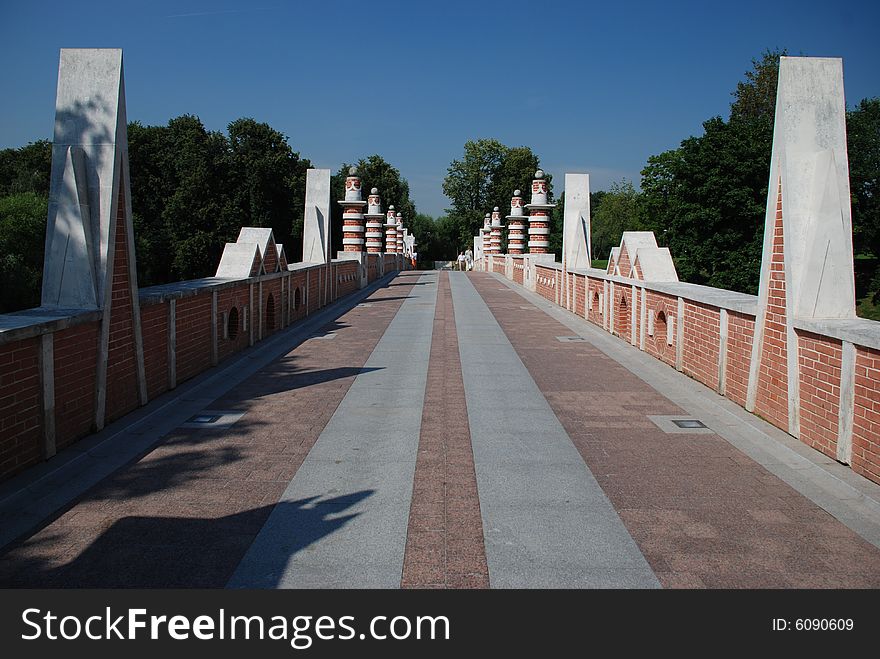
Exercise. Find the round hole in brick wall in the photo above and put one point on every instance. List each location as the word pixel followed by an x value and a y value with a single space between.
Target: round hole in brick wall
pixel 232 323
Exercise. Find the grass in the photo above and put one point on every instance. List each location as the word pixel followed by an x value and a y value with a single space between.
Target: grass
pixel 601 264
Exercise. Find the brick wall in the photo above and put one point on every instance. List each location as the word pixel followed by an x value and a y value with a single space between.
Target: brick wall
pixel 20 410
pixel 866 417
pixel 596 291
pixel 122 397
pixel 772 399
pixel 819 361
pixel 518 269
pixel 232 308
pixel 270 259
pixel 623 262
pixel 348 278
pixel 579 293
pixel 702 338
pixel 154 324
pixel 622 303
pixel 193 330
pixel 272 306
pixel 545 286
pixel 740 334
pixel 663 308
pixel 76 352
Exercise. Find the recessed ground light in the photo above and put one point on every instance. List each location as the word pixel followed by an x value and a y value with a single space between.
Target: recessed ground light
pixel 677 425
pixel 688 423
pixel 365 304
pixel 213 419
pixel 570 339
pixel 204 418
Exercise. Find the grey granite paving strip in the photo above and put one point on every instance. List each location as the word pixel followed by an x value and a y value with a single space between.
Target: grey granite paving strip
pixel 852 499
pixel 358 476
pixel 547 522
pixel 28 499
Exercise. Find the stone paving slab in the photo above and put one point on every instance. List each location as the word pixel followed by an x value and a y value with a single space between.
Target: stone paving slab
pixel 444 543
pixel 184 514
pixel 703 513
pixel 379 419
pixel 546 521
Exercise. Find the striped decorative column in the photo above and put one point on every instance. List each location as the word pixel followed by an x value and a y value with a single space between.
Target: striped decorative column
pixel 486 231
pixel 352 214
pixel 495 233
pixel 374 219
pixel 399 217
pixel 539 216
pixel 516 225
pixel 391 232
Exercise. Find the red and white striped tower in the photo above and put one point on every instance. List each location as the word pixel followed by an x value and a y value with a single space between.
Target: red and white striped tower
pixel 486 231
pixel 399 217
pixel 539 216
pixel 391 231
pixel 374 219
pixel 495 233
pixel 352 214
pixel 516 225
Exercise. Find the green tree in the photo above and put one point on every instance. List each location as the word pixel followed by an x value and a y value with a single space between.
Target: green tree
pixel 22 239
pixel 26 169
pixel 485 177
pixel 863 146
pixel 374 172
pixel 706 200
pixel 619 211
pixel 268 181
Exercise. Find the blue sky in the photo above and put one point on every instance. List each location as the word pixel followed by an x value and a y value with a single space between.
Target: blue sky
pixel 595 88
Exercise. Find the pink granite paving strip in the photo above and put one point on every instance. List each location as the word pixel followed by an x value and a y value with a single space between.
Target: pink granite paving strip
pixel 184 514
pixel 444 542
pixel 703 513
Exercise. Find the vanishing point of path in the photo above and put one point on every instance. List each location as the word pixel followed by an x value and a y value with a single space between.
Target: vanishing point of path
pixel 443 430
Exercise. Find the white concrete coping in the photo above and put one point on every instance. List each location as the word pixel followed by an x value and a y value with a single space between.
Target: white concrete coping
pixel 715 297
pixel 30 323
pixel 860 331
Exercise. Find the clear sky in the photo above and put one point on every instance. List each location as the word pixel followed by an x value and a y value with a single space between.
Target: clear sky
pixel 591 87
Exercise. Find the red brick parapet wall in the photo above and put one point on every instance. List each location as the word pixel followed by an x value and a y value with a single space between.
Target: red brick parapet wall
pixel 47 359
pixel 707 334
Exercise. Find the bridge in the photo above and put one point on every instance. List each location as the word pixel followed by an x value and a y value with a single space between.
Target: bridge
pixel 352 422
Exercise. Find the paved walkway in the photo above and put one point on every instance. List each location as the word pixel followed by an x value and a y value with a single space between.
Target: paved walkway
pixel 441 430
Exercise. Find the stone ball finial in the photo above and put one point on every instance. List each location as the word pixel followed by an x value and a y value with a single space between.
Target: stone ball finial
pixel 374 191
pixel 391 208
pixel 539 173
pixel 517 193
pixel 352 171
pixel 495 209
pixel 399 215
pixel 488 215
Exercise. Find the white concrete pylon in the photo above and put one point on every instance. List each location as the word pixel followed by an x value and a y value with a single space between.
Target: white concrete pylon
pixel 316 225
pixel 576 250
pixel 89 225
pixel 400 230
pixel 807 265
